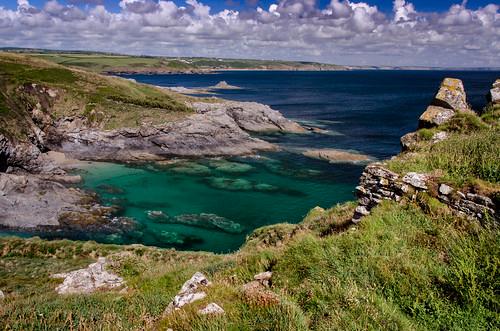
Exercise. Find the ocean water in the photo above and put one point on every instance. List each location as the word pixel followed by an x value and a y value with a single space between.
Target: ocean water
pixel 214 204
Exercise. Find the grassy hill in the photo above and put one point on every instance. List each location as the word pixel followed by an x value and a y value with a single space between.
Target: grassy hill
pixel 408 266
pixel 112 63
pixel 107 102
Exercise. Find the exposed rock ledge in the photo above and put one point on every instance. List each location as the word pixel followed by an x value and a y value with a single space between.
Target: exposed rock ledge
pixel 217 129
pixel 337 156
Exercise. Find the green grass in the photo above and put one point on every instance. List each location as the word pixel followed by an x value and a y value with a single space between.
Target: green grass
pixel 470 153
pixel 402 268
pixel 107 102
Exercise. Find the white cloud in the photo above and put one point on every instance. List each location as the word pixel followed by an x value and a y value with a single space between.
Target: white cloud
pixel 344 31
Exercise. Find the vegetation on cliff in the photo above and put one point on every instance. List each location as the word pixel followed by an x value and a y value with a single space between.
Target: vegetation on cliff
pixel 106 102
pixel 109 63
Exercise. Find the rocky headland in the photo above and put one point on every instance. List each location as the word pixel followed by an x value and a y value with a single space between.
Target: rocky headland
pixel 42 117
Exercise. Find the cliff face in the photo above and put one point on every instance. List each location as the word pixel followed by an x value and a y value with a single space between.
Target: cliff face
pixel 379 183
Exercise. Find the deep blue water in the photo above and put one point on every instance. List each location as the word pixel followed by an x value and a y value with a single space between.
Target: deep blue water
pixel 371 109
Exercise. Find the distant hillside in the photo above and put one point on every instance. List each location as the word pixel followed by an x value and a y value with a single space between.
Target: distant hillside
pixel 118 63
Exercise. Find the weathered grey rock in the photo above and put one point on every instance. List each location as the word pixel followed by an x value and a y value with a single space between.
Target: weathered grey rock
pixel 494 94
pixel 409 141
pixel 252 116
pixel 439 136
pixel 190 292
pixel 28 201
pixel 362 210
pixel 451 95
pixel 24 156
pixel 88 280
pixel 211 309
pixel 2 296
pixel 435 116
pixel 264 278
pixel 416 180
pixel 445 189
pixel 336 155
pixel 223 85
pixel 214 133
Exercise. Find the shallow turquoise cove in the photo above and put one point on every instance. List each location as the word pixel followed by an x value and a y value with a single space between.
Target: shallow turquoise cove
pixel 213 204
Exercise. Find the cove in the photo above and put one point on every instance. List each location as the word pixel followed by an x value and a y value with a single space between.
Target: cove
pixel 213 204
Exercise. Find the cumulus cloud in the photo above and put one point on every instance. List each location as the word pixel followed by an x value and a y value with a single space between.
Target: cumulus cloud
pixel 343 31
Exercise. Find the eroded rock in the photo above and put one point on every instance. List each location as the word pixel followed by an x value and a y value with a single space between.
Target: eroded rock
pixel 416 180
pixel 191 291
pixel 435 116
pixel 451 95
pixel 336 156
pixel 211 309
pixel 88 280
pixel 494 94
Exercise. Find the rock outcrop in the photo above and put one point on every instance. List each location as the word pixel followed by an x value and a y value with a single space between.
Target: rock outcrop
pixel 211 309
pixel 449 100
pixel 191 291
pixel 218 129
pixel 378 183
pixel 39 203
pixel 93 278
pixel 336 156
pixel 252 116
pixel 494 94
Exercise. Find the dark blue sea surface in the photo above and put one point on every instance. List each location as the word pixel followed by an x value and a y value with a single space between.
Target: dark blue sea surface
pixel 370 109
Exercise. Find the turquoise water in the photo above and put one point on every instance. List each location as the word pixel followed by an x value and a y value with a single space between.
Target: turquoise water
pixel 213 204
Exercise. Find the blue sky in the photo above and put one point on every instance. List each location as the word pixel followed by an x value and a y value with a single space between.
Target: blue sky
pixel 217 5
pixel 358 32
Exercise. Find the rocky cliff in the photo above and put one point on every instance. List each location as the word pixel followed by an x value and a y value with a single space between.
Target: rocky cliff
pixel 378 182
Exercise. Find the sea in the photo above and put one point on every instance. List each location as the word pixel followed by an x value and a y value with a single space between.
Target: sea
pixel 214 204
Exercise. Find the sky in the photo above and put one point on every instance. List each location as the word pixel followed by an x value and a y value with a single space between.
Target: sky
pixel 357 32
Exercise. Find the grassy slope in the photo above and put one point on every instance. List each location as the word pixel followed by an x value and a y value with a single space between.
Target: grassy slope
pixel 124 63
pixel 109 102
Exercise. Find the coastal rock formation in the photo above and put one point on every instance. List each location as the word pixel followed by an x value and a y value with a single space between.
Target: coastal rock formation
pixel 211 309
pixel 378 183
pixel 336 156
pixel 41 203
pixel 88 280
pixel 451 95
pixel 449 100
pixel 23 205
pixel 494 94
pixel 252 116
pixel 218 129
pixel 223 85
pixel 191 291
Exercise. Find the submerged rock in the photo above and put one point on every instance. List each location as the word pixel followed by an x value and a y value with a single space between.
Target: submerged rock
pixel 230 167
pixel 88 280
pixel 191 168
pixel 239 184
pixel 208 221
pixel 191 291
pixel 336 156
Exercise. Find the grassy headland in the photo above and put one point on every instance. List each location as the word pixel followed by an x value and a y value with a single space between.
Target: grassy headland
pixel 409 266
pixel 113 63
pixel 106 102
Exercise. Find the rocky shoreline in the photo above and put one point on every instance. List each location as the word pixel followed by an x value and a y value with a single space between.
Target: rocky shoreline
pixel 35 189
